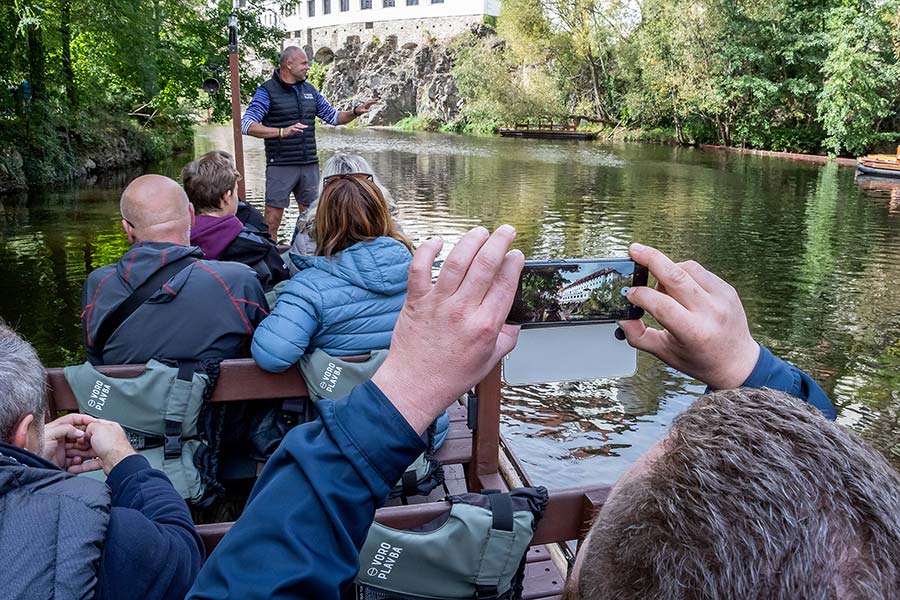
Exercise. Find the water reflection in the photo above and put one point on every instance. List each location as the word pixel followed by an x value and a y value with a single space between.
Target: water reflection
pixel 815 256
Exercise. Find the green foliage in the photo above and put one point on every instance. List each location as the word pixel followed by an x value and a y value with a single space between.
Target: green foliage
pixel 115 68
pixel 316 74
pixel 861 79
pixel 416 123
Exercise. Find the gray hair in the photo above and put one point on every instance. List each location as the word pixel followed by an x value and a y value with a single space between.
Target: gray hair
pixel 339 163
pixel 289 53
pixel 22 382
pixel 754 495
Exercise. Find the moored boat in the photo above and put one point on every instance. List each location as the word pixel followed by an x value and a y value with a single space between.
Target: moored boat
pixel 881 165
pixel 548 130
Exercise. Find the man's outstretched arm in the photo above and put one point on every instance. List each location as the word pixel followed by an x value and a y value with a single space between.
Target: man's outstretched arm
pixel 309 513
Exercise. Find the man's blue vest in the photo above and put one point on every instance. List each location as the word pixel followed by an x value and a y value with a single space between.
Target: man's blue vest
pixel 287 105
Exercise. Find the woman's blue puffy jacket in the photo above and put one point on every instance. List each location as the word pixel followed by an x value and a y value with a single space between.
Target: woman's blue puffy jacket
pixel 345 305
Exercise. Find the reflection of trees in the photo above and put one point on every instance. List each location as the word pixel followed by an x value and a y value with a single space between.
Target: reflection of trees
pixel 539 289
pixel 607 299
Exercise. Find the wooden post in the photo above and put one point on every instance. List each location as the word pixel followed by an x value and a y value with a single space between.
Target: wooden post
pixel 234 69
pixel 485 466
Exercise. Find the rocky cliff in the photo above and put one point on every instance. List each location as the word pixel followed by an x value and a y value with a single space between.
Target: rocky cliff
pixel 413 79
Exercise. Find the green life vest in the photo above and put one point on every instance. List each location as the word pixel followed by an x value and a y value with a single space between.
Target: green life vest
pixel 331 377
pixel 158 410
pixel 476 551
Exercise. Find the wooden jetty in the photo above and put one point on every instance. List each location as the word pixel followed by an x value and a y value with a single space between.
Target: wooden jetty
pixel 548 130
pixel 472 456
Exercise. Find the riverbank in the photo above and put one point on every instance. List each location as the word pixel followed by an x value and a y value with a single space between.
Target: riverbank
pixel 38 151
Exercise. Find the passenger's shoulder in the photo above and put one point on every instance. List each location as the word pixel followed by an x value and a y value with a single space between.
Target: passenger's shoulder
pixel 97 275
pixel 227 270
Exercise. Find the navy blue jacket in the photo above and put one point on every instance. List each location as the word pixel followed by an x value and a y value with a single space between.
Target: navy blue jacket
pixel 206 311
pixel 347 304
pixel 152 550
pixel 311 508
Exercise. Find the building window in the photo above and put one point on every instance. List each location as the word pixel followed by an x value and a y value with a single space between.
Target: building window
pixel 326 7
pixel 365 4
pixel 437 1
pixel 297 34
pixel 288 9
pixel 311 8
pixel 412 2
pixel 369 25
pixel 387 3
pixel 345 5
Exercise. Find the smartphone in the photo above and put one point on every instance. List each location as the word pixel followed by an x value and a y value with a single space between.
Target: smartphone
pixel 576 291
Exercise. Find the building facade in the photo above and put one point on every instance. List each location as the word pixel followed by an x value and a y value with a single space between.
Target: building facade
pixel 317 24
pixel 579 291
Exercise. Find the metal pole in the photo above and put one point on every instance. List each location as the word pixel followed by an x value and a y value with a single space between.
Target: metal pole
pixel 236 104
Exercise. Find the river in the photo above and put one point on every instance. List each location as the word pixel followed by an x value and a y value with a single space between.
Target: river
pixel 814 256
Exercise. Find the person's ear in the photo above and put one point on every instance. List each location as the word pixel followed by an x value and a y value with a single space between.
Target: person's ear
pixel 129 231
pixel 191 210
pixel 21 430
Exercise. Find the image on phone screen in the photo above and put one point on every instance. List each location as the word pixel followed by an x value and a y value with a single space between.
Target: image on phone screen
pixel 576 291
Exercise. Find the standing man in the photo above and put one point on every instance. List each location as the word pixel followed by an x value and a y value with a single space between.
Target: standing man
pixel 283 113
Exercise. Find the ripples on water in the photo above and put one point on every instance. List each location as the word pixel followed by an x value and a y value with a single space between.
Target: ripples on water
pixel 815 256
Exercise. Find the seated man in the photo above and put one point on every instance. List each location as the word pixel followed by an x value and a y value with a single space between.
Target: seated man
pixel 211 186
pixel 204 310
pixel 68 537
pixel 750 495
pixel 311 508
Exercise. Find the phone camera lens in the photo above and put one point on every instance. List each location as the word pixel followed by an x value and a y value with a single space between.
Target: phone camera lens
pixel 625 290
pixel 620 335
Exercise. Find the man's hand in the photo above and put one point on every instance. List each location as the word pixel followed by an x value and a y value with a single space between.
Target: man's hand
pixel 706 334
pixel 294 129
pixel 64 433
pixel 103 447
pixel 451 334
pixel 365 106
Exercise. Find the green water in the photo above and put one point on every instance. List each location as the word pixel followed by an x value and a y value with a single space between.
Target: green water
pixel 814 255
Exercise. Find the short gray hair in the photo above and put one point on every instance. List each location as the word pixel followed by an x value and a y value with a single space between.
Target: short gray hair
pixel 289 53
pixel 22 382
pixel 754 494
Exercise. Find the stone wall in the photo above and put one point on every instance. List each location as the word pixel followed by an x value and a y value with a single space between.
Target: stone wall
pixel 415 31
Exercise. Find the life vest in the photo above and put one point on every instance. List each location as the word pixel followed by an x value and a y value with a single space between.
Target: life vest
pixel 287 105
pixel 158 410
pixel 477 551
pixel 331 377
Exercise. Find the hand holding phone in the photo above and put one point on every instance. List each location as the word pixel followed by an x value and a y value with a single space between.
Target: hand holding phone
pixel 705 331
pixel 576 291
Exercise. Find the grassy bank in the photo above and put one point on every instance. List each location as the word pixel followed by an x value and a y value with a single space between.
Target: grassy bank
pixel 45 149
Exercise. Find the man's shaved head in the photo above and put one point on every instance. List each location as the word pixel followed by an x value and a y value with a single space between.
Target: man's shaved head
pixel 290 53
pixel 157 210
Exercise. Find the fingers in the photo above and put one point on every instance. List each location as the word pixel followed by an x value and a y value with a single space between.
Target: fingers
pixel 707 280
pixel 457 264
pixel 94 464
pixel 76 419
pixel 644 338
pixel 499 297
pixel 62 431
pixel 678 283
pixel 486 266
pixel 664 308
pixel 420 268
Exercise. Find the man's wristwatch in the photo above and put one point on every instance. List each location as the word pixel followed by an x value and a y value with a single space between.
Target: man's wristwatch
pixel 356 114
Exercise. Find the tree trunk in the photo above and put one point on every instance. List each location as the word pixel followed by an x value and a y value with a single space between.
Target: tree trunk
pixel 65 30
pixel 36 63
pixel 595 85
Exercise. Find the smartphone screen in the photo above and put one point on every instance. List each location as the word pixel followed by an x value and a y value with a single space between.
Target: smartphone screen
pixel 576 291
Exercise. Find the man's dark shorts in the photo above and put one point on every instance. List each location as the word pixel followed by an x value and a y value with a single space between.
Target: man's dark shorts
pixel 283 180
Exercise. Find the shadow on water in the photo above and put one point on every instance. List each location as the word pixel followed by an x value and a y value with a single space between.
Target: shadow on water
pixel 815 257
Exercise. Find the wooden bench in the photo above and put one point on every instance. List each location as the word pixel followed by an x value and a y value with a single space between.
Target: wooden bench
pixel 470 454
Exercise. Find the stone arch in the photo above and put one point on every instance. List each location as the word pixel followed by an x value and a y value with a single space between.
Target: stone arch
pixel 324 55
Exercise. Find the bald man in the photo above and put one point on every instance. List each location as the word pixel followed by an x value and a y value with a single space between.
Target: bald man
pixel 199 309
pixel 283 113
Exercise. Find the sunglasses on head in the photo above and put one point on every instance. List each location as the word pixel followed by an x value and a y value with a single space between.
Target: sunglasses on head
pixel 356 176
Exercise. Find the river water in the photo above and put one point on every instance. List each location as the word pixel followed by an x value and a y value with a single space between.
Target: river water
pixel 814 255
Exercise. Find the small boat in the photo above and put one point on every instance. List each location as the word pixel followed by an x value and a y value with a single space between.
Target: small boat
pixel 881 165
pixel 548 130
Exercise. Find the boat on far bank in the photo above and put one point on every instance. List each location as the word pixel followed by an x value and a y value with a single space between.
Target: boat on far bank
pixel 548 130
pixel 881 165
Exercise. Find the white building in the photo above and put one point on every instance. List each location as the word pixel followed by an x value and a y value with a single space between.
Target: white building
pixel 579 291
pixel 328 23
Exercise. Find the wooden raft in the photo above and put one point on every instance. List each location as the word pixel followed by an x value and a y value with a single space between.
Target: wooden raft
pixel 471 459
